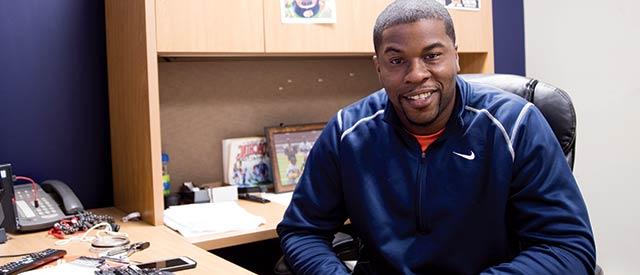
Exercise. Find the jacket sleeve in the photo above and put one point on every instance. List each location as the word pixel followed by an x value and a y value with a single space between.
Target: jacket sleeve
pixel 316 210
pixel 546 212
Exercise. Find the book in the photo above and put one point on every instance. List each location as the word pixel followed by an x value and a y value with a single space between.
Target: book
pixel 245 162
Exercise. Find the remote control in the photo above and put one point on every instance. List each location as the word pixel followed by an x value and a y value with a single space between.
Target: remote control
pixel 32 261
pixel 252 198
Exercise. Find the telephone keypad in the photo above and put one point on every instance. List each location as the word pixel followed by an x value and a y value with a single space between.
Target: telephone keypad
pixel 34 218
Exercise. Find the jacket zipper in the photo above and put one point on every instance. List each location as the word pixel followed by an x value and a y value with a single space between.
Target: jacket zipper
pixel 421 183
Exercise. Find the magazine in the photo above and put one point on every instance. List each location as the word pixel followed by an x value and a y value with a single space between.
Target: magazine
pixel 245 162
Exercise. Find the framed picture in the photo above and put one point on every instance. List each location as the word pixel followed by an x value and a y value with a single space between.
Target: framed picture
pixel 289 147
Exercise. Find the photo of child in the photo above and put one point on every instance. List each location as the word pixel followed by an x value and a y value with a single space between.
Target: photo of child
pixel 308 11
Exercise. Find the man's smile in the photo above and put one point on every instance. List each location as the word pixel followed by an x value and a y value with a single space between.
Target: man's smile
pixel 420 98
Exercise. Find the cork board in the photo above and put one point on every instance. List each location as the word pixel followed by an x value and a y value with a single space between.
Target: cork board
pixel 203 101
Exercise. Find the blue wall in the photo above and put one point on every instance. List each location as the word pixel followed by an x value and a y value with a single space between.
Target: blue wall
pixel 508 36
pixel 53 90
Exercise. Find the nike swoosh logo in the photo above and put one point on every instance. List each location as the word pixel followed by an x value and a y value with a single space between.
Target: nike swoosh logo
pixel 471 156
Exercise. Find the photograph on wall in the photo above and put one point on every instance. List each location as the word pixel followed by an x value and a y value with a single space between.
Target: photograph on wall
pixel 308 11
pixel 461 4
pixel 289 147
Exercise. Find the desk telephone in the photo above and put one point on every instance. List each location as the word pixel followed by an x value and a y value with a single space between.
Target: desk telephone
pixel 51 195
pixel 18 210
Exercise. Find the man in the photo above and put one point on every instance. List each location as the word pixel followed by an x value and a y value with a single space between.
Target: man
pixel 436 175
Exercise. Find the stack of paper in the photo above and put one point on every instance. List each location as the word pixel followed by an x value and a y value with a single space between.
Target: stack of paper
pixel 198 219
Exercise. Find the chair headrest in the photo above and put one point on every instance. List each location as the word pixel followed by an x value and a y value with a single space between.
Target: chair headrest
pixel 554 103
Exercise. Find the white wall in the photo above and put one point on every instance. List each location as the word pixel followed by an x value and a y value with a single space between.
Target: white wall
pixel 591 48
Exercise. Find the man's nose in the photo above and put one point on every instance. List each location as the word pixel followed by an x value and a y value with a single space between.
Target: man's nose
pixel 417 72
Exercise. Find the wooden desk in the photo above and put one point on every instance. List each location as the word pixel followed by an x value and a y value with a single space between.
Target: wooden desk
pixel 165 243
pixel 271 212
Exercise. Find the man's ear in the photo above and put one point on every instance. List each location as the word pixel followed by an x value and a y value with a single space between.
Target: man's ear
pixel 376 63
pixel 457 60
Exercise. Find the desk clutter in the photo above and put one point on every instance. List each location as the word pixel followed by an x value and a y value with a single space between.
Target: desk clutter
pixel 90 266
pixel 131 270
pixel 201 194
pixel 80 222
pixel 82 265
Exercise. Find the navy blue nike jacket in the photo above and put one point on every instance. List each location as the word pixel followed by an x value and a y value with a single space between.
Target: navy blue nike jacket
pixel 493 195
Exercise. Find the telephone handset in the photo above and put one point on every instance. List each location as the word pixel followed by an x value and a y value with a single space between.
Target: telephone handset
pixel 63 195
pixel 47 212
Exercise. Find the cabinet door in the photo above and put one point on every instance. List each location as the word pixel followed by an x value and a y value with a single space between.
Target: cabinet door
pixel 205 27
pixel 474 36
pixel 351 34
pixel 474 29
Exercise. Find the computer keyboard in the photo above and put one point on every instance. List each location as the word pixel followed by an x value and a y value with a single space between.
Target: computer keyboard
pixel 32 261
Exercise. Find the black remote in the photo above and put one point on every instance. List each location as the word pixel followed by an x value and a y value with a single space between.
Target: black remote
pixel 252 198
pixel 32 261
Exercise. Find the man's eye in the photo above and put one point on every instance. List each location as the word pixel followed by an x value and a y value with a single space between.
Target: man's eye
pixel 395 61
pixel 432 56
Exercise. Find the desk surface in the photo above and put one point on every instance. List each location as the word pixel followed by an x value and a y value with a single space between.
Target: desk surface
pixel 165 243
pixel 272 212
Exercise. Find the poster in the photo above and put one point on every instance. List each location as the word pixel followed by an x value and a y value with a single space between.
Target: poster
pixel 245 161
pixel 461 4
pixel 308 11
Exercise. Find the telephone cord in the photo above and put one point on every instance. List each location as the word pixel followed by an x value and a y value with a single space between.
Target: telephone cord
pixel 33 188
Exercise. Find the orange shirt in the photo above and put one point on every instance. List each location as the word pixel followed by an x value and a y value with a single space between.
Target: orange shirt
pixel 425 141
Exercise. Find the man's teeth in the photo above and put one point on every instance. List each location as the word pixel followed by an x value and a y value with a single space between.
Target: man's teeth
pixel 420 96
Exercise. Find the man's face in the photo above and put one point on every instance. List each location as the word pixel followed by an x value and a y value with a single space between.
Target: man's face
pixel 306 4
pixel 417 64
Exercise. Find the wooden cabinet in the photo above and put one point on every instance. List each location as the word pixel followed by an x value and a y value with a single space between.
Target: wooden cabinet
pixel 215 27
pixel 196 27
pixel 254 28
pixel 474 36
pixel 474 29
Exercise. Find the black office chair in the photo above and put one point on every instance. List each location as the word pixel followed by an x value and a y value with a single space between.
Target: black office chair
pixel 554 103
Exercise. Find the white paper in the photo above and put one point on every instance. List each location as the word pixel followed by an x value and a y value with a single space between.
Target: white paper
pixel 198 219
pixel 282 198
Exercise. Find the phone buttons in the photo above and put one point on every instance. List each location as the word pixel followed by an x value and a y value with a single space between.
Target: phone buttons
pixel 25 209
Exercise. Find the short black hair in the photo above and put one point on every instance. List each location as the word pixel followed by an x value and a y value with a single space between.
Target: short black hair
pixel 409 11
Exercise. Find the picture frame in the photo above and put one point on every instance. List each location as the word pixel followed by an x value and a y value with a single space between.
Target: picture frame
pixel 288 148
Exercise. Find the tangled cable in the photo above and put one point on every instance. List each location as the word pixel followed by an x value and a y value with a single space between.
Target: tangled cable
pixel 83 221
